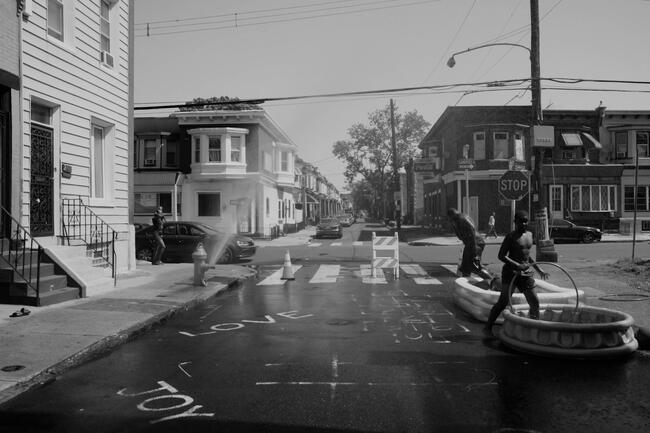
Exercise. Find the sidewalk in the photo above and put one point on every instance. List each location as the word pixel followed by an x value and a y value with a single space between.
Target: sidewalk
pixel 452 240
pixel 44 343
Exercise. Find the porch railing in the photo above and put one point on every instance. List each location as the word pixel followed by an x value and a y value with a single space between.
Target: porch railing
pixel 20 251
pixel 81 223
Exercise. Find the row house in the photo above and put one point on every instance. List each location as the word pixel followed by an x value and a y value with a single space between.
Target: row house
pixel 65 122
pixel 579 179
pixel 233 169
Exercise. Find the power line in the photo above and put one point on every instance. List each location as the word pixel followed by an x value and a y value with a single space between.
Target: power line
pixel 237 24
pixel 498 85
pixel 451 42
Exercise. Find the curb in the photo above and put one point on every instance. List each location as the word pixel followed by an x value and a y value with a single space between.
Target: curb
pixel 109 343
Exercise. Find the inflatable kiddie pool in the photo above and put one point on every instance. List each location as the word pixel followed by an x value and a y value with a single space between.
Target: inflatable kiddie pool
pixel 475 297
pixel 569 331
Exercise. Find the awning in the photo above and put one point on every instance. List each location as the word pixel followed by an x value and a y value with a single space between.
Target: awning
pixel 593 141
pixel 571 139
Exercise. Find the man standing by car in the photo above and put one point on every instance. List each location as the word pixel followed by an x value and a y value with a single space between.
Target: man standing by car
pixel 158 221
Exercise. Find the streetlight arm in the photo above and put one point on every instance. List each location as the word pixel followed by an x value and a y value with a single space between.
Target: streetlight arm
pixel 451 62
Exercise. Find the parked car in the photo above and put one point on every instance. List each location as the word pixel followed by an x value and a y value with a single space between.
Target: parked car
pixel 564 230
pixel 329 227
pixel 182 237
pixel 140 226
pixel 345 220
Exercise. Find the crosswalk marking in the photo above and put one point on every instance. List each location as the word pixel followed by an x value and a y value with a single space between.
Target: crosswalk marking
pixel 422 275
pixel 357 243
pixel 326 274
pixel 451 268
pixel 429 280
pixel 276 277
pixel 315 244
pixel 367 278
pixel 337 244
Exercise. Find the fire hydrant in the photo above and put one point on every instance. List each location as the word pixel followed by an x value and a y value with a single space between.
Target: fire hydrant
pixel 200 266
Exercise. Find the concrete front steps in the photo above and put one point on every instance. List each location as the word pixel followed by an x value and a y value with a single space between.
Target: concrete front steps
pixel 49 279
pixel 92 274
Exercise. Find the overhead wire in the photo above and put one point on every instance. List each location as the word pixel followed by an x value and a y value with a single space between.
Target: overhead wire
pixel 236 23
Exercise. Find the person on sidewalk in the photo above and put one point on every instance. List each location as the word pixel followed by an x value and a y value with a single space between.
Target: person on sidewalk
pixel 158 221
pixel 473 244
pixel 515 254
pixel 491 227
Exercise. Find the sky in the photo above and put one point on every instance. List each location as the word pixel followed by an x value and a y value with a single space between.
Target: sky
pixel 253 49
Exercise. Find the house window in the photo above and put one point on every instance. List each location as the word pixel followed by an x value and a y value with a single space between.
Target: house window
pixel 642 201
pixel 97 157
pixel 593 198
pixel 284 161
pixel 620 144
pixel 171 154
pixel 148 202
pixel 235 149
pixel 268 207
pixel 643 143
pixel 268 162
pixel 214 149
pixel 500 145
pixel 479 145
pixel 433 151
pixel 279 209
pixel 55 19
pixel 209 204
pixel 105 33
pixel 150 145
pixel 519 146
pixel 197 149
pixel 645 226
pixel 568 155
pixel 41 114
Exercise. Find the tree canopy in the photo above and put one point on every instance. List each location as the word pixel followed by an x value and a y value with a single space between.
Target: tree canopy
pixel 216 103
pixel 368 153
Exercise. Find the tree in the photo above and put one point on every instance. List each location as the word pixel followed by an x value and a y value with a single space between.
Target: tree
pixel 368 153
pixel 218 103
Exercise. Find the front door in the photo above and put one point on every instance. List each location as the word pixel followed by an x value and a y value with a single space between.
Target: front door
pixel 556 201
pixel 42 183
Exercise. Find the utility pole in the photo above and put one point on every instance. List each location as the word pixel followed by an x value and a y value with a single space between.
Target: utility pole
pixel 545 249
pixel 398 204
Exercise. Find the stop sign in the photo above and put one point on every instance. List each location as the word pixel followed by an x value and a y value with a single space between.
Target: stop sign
pixel 513 185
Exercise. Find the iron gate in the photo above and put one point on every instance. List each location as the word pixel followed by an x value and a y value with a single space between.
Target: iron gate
pixel 42 183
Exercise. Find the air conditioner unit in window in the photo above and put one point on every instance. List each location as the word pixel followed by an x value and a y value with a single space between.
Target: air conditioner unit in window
pixel 149 162
pixel 107 58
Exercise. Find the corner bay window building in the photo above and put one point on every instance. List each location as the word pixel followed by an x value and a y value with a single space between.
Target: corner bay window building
pixel 587 172
pixel 232 169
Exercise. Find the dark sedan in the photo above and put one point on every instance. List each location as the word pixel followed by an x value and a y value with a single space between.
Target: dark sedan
pixel 329 227
pixel 182 237
pixel 562 230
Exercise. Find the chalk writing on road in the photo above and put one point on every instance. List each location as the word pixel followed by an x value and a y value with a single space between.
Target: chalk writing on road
pixel 231 326
pixel 168 399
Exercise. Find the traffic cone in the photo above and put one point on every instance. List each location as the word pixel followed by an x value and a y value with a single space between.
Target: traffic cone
pixel 287 270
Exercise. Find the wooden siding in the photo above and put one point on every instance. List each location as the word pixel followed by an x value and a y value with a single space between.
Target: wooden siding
pixel 69 75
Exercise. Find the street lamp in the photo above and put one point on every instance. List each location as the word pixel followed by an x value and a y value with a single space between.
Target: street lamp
pixel 452 61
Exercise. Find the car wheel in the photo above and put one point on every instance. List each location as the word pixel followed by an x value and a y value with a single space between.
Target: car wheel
pixel 227 256
pixel 588 238
pixel 144 254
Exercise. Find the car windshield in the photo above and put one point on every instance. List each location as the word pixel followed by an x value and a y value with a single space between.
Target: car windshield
pixel 329 221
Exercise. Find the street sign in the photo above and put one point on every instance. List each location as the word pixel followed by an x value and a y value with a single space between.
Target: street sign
pixel 513 185
pixel 466 164
pixel 420 166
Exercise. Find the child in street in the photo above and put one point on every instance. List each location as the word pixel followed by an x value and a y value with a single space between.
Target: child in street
pixel 491 226
pixel 515 254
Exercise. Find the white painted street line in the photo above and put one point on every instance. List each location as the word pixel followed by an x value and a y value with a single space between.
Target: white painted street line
pixel 276 277
pixel 336 244
pixel 326 274
pixel 366 275
pixel 451 268
pixel 357 243
pixel 429 280
pixel 317 244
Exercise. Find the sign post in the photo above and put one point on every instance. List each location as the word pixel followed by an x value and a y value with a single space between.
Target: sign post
pixel 466 164
pixel 513 186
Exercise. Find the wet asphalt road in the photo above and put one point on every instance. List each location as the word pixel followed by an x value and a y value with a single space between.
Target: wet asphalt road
pixel 301 356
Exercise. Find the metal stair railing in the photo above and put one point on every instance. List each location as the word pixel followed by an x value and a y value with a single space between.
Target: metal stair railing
pixel 80 222
pixel 20 251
